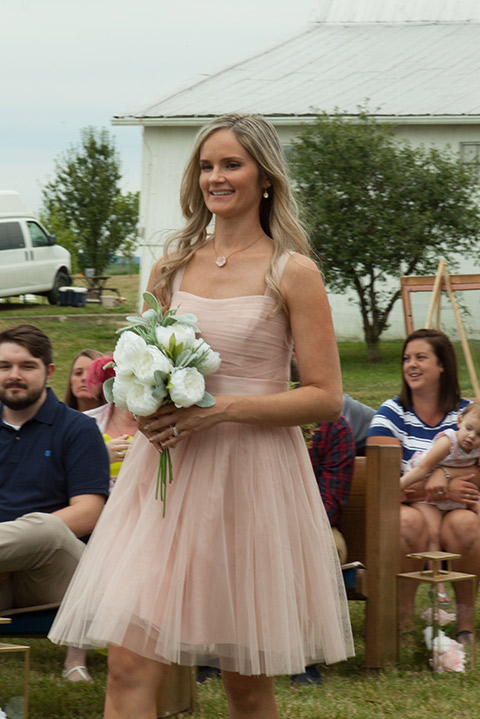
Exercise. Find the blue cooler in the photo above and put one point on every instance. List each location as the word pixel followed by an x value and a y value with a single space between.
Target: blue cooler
pixel 65 296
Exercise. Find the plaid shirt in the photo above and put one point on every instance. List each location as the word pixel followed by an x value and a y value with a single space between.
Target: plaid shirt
pixel 332 451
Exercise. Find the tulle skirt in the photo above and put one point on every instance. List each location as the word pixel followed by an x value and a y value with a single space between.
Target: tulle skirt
pixel 241 573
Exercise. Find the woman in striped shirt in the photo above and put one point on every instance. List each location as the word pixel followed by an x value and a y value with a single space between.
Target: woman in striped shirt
pixel 429 402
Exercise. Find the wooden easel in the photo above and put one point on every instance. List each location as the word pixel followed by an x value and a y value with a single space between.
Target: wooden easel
pixel 442 281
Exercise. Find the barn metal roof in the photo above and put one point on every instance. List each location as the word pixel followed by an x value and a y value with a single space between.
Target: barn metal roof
pixel 422 68
pixel 396 11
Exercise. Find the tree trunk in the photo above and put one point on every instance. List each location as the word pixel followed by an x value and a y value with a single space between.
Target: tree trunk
pixel 373 350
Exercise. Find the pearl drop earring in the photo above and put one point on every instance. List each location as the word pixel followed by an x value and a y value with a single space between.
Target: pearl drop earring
pixel 265 194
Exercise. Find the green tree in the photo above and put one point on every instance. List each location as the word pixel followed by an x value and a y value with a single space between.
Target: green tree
pixel 378 208
pixel 84 206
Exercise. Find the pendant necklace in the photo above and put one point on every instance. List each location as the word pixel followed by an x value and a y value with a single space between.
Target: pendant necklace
pixel 221 260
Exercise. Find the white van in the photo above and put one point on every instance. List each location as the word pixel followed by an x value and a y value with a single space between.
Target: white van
pixel 30 261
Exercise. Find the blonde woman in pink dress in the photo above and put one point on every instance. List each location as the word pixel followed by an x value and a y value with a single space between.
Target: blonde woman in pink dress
pixel 242 573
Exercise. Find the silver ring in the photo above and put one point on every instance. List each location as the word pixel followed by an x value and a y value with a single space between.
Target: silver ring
pixel 175 431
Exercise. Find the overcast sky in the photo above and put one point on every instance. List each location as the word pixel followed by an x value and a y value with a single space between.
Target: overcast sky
pixel 67 64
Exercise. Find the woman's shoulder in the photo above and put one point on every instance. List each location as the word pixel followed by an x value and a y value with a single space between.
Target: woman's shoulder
pixel 299 276
pixel 295 262
pixel 390 406
pixel 100 413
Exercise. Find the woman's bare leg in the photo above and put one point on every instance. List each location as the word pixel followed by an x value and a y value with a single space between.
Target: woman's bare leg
pixel 433 519
pixel 460 534
pixel 132 685
pixel 75 665
pixel 413 538
pixel 249 697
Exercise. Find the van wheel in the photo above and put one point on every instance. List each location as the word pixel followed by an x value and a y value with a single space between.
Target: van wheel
pixel 61 279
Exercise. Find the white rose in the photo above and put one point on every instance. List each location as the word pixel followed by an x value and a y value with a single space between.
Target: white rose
pixel 127 350
pixel 427 634
pixel 183 334
pixel 121 385
pixel 149 315
pixel 186 387
pixel 210 361
pixel 441 643
pixel 140 400
pixel 150 360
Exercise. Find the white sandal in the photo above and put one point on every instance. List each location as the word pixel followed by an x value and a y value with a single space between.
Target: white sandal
pixel 82 670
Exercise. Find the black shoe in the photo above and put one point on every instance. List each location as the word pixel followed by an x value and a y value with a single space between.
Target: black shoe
pixel 204 673
pixel 310 676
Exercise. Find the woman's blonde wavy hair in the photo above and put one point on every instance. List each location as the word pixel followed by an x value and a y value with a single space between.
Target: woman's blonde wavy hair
pixel 278 212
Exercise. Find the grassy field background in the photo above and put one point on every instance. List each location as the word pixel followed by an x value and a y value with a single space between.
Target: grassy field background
pixel 72 329
pixel 349 690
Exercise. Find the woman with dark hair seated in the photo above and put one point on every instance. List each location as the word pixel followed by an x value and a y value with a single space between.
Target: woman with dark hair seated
pixel 429 402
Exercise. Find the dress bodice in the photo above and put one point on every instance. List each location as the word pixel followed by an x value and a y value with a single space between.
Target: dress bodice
pixel 254 341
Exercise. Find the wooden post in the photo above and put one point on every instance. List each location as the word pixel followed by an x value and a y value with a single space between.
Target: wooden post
pixel 463 337
pixel 178 691
pixel 435 299
pixel 382 553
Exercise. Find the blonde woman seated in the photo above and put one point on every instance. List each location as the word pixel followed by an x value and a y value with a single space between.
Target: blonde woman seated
pixel 118 426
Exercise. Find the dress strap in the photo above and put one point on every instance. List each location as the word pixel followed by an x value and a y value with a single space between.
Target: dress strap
pixel 177 279
pixel 278 271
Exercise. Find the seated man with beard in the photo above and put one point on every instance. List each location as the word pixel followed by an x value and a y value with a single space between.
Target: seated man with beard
pixel 54 476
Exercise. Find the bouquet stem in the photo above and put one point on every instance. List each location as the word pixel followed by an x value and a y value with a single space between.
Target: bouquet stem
pixel 164 469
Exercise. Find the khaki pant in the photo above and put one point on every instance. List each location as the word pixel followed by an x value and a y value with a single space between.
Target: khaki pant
pixel 41 553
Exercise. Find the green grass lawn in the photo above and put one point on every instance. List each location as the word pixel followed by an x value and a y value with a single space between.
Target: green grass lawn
pixel 349 691
pixel 408 690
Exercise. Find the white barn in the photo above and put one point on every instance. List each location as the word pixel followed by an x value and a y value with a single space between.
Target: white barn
pixel 415 63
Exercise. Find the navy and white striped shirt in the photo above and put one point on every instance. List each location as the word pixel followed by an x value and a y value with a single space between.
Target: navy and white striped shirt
pixel 391 420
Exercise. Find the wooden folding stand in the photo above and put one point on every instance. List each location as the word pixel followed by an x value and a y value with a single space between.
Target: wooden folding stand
pixel 436 284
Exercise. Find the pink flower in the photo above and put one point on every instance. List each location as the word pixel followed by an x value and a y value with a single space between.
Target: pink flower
pixel 443 617
pixel 450 660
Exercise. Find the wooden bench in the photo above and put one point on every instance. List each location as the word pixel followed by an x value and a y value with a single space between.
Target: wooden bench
pixel 371 527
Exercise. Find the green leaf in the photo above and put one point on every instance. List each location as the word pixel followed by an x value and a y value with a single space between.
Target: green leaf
pixel 159 392
pixel 108 389
pixel 207 400
pixel 151 301
pixel 172 345
pixel 159 376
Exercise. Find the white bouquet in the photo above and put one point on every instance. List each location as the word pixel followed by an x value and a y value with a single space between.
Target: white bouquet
pixel 158 360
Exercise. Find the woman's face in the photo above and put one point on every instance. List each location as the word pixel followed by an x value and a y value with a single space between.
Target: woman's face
pixel 229 176
pixel 421 368
pixel 78 378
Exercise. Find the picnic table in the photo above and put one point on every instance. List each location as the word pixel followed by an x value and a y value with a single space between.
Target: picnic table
pixel 96 285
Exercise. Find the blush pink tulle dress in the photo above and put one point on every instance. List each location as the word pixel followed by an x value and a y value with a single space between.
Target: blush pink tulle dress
pixel 242 572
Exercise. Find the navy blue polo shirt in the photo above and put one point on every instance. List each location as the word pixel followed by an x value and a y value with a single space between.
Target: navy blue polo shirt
pixel 56 455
